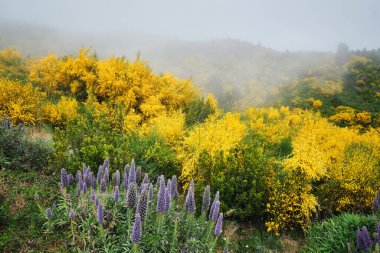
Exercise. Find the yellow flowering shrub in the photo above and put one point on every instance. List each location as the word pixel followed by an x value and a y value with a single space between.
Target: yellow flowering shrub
pixel 12 65
pixel 213 136
pixel 21 103
pixel 64 110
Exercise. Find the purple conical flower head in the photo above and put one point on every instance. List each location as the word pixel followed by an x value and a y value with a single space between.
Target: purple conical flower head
pixel 215 211
pixel 78 176
pixel 100 213
pixel 49 213
pixel 100 174
pixel 136 230
pixel 206 199
pixel 92 195
pixel 125 180
pixel 190 201
pixel 116 178
pixel 146 179
pixel 376 205
pixel 94 182
pixel 167 199
pixel 132 174
pixel 161 199
pixel 103 186
pixel 106 175
pixel 36 197
pixel 169 187
pixel 64 179
pixel 116 193
pixel 174 190
pixel 131 196
pixel 84 188
pixel 142 205
pixel 106 163
pixel 216 198
pixel 138 174
pixel 366 238
pixel 71 179
pixel 219 225
pixel 150 192
pixel 71 214
pixel 89 179
pixel 96 201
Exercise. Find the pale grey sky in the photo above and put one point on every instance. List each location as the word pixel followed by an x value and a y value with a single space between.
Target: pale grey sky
pixel 282 24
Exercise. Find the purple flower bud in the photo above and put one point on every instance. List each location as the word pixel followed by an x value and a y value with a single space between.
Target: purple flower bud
pixel 78 176
pixel 146 179
pixel 71 214
pixel 167 199
pixel 190 201
pixel 125 180
pixel 131 196
pixel 103 186
pixel 36 197
pixel 161 200
pixel 88 179
pixel 138 174
pixel 132 173
pixel 366 238
pixel 64 179
pixel 174 190
pixel 215 211
pixel 106 163
pixel 100 213
pixel 150 192
pixel 96 201
pixel 136 230
pixel 100 174
pixel 116 178
pixel 142 205
pixel 106 175
pixel 206 199
pixel 169 187
pixel 84 188
pixel 218 226
pixel 71 179
pixel 376 205
pixel 116 193
pixel 213 204
pixel 49 213
pixel 92 195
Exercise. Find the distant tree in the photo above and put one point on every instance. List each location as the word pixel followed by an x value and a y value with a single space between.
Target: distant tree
pixel 342 54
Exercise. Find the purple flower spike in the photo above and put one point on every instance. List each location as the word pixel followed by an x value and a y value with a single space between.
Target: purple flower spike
pixel 103 186
pixel 96 201
pixel 138 174
pixel 161 200
pixel 84 188
pixel 359 240
pixel 92 195
pixel 146 179
pixel 136 230
pixel 100 213
pixel 376 205
pixel 150 192
pixel 167 199
pixel 132 173
pixel 116 178
pixel 190 201
pixel 64 179
pixel 142 205
pixel 116 193
pixel 49 213
pixel 366 238
pixel 106 163
pixel 71 214
pixel 213 204
pixel 215 211
pixel 125 180
pixel 206 199
pixel 131 196
pixel 106 175
pixel 78 176
pixel 174 190
pixel 100 174
pixel 219 225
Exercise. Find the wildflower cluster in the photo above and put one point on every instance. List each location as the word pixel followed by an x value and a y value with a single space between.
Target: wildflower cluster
pixel 127 212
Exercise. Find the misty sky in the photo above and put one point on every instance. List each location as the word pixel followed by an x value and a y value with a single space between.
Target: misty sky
pixel 282 24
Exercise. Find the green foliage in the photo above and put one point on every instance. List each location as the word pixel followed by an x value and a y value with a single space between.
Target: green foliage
pixel 20 222
pixel 198 111
pixel 18 152
pixel 333 234
pixel 260 242
pixel 242 176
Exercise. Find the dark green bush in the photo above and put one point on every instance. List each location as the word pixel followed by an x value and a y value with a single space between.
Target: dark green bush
pixel 18 152
pixel 333 234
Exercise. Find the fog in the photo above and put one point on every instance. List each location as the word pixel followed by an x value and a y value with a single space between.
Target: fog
pixel 282 25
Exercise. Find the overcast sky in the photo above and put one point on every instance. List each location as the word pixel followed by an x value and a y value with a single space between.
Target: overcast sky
pixel 281 24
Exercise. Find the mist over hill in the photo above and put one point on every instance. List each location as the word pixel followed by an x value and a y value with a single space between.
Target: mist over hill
pixel 239 73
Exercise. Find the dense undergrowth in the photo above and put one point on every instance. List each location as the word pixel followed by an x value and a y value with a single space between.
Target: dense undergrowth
pixel 281 169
